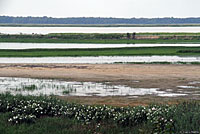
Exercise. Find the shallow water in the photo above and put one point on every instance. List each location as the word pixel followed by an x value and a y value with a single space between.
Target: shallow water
pixel 56 87
pixel 194 82
pixel 188 87
pixel 46 30
pixel 101 59
pixel 76 45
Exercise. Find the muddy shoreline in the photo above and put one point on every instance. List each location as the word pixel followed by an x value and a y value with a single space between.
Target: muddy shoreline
pixel 149 76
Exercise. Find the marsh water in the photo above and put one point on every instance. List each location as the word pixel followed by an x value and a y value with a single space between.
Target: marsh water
pixel 46 30
pixel 101 59
pixel 79 45
pixel 29 86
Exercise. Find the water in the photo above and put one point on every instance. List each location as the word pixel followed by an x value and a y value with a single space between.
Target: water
pixel 190 90
pixel 188 87
pixel 101 59
pixel 79 45
pixel 46 30
pixel 194 82
pixel 56 87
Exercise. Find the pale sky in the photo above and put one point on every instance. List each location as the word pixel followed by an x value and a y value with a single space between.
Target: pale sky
pixel 101 8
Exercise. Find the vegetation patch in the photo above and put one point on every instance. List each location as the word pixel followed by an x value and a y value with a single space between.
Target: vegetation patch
pixel 178 118
pixel 104 38
pixel 68 90
pixel 188 51
pixel 141 51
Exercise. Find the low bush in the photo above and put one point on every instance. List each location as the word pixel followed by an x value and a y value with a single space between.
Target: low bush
pixel 162 118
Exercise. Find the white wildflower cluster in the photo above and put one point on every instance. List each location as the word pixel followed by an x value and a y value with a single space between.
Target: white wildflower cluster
pixel 131 116
pixel 27 110
pixel 93 113
pixel 22 118
pixel 161 117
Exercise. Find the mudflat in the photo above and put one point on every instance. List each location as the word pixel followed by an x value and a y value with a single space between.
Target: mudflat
pixel 148 76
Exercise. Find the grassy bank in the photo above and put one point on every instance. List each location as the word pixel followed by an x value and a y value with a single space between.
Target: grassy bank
pixel 114 38
pixel 38 115
pixel 142 51
pixel 106 41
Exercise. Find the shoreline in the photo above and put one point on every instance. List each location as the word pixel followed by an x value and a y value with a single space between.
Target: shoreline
pixel 149 76
pixel 91 41
pixel 104 38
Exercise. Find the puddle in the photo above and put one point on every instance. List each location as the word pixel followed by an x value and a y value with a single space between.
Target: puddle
pixel 29 86
pixel 169 90
pixel 189 90
pixel 188 87
pixel 194 82
pixel 136 81
pixel 172 95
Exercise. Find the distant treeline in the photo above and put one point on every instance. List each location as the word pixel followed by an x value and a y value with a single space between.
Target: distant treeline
pixel 92 20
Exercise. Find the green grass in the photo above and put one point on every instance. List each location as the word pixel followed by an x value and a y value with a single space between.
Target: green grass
pixel 112 35
pixel 66 92
pixel 26 88
pixel 105 41
pixel 62 125
pixel 112 38
pixel 142 51
pixel 29 87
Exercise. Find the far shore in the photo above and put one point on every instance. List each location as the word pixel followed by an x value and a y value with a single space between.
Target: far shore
pixel 104 38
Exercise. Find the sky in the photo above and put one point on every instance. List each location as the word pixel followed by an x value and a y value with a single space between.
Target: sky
pixel 101 8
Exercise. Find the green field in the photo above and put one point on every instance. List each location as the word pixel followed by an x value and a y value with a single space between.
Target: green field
pixel 142 51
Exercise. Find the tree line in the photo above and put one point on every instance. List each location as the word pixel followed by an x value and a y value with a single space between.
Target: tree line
pixel 95 20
